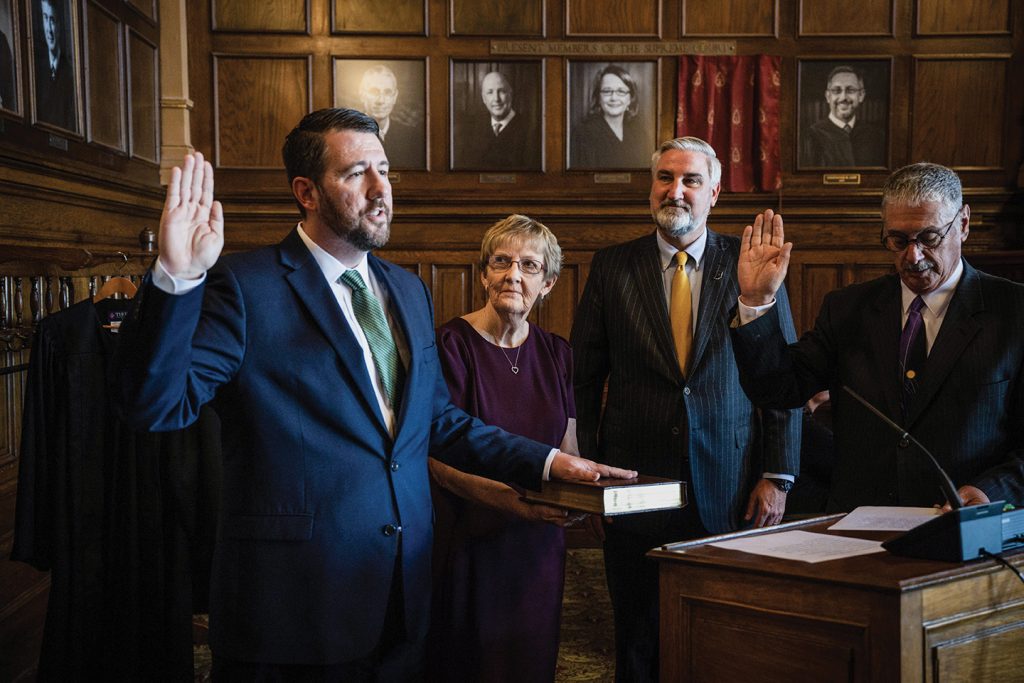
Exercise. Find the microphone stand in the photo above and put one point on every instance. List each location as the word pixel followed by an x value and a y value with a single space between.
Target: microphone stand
pixel 945 483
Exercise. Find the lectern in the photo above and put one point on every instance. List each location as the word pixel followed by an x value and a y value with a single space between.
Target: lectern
pixel 733 616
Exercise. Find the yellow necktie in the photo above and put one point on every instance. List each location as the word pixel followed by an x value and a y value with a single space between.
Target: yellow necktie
pixel 680 311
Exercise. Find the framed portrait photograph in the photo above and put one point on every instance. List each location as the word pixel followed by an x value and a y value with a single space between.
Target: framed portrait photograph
pixel 843 119
pixel 497 116
pixel 9 100
pixel 55 84
pixel 612 115
pixel 394 92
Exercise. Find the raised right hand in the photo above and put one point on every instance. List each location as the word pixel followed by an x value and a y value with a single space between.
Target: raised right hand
pixel 192 223
pixel 764 259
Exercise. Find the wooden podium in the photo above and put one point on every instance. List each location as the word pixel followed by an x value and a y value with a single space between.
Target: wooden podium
pixel 732 616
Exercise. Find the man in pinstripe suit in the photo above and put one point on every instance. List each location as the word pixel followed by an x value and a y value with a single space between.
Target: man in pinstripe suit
pixel 674 404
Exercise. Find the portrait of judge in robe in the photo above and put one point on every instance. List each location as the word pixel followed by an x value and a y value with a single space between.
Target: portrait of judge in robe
pixel 56 82
pixel 844 114
pixel 497 116
pixel 8 68
pixel 393 92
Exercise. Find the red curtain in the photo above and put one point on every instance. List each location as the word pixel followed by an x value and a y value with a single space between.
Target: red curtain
pixel 733 104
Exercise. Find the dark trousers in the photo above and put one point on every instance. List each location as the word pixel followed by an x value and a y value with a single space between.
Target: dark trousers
pixel 633 589
pixel 396 659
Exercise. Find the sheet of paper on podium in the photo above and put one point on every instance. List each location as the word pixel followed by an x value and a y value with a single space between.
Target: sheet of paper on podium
pixel 612 496
pixel 884 518
pixel 803 546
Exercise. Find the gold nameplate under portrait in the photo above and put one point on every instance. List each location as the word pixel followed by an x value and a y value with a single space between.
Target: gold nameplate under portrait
pixel 840 179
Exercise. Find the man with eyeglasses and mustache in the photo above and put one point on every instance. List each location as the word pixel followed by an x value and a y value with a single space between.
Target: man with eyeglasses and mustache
pixel 653 322
pixel 938 346
pixel 843 139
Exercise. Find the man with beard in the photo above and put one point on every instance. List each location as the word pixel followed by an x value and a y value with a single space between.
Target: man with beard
pixel 937 346
pixel 653 322
pixel 55 78
pixel 843 140
pixel 320 360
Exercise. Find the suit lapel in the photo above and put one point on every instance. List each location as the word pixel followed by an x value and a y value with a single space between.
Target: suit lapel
pixel 647 274
pixel 958 328
pixel 884 341
pixel 307 281
pixel 717 262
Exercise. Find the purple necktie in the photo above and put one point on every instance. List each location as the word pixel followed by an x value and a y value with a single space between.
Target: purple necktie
pixel 913 352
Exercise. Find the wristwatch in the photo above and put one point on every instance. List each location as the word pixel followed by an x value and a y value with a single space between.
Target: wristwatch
pixel 784 485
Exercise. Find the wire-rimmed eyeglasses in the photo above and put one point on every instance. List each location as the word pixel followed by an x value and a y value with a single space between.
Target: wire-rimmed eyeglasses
pixel 929 238
pixel 500 263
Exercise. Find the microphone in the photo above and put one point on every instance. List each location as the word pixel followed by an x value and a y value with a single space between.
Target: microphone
pixel 945 483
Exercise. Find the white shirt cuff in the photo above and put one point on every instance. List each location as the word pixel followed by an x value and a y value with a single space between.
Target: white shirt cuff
pixel 546 476
pixel 166 282
pixel 748 314
pixel 773 475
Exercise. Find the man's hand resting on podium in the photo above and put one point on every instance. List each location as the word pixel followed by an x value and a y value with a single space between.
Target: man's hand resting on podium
pixel 969 495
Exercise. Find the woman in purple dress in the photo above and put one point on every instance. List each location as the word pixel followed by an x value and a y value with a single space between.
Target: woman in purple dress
pixel 500 561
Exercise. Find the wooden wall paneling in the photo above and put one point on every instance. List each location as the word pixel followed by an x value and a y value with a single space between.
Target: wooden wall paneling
pixel 557 312
pixel 105 83
pixel 620 18
pixel 258 99
pixel 816 280
pixel 408 17
pixel 730 18
pixel 451 286
pixel 961 17
pixel 866 17
pixel 958 114
pixel 279 16
pixel 500 18
pixel 143 98
pixel 146 8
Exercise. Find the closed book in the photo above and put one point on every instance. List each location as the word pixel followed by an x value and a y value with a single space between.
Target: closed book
pixel 612 496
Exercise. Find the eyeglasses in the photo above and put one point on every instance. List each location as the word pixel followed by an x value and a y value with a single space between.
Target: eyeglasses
pixel 501 263
pixel 929 238
pixel 837 91
pixel 608 92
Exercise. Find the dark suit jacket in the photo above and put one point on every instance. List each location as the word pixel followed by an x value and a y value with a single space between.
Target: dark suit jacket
pixel 516 148
pixel 654 418
pixel 969 410
pixel 312 478
pixel 55 94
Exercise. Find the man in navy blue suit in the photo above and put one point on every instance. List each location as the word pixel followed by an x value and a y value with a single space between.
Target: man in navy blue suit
pixel 320 360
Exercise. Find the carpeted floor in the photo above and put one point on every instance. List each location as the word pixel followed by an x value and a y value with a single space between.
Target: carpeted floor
pixel 587 648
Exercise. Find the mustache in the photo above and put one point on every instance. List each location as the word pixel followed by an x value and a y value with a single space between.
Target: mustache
pixel 919 267
pixel 675 204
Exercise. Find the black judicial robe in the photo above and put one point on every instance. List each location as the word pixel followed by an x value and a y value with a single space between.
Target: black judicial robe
pixel 123 520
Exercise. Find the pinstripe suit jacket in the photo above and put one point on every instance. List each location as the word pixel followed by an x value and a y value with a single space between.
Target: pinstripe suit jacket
pixel 654 418
pixel 969 409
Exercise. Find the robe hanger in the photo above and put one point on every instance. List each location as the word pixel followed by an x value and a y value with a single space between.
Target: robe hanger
pixel 118 284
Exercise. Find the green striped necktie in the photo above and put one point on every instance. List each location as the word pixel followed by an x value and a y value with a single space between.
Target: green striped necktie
pixel 378 335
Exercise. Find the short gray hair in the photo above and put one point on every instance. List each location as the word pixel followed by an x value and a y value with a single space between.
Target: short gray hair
pixel 923 182
pixel 522 230
pixel 691 144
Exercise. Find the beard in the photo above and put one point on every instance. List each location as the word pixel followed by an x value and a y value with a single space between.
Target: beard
pixel 351 227
pixel 676 218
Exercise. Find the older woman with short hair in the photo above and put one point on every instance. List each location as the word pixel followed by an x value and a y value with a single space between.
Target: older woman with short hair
pixel 500 561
